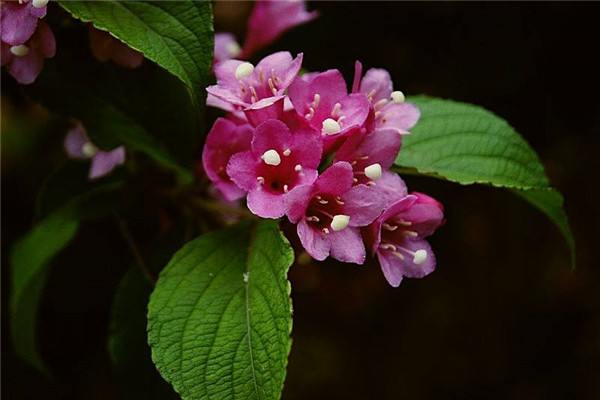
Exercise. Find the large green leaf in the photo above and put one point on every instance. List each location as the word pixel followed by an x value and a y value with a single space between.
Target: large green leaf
pixel 467 144
pixel 32 254
pixel 177 35
pixel 219 319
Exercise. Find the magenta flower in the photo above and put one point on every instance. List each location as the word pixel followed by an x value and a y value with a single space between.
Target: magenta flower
pixel 108 48
pixel 226 47
pixel 225 139
pixel 391 110
pixel 370 155
pixel 330 212
pixel 397 237
pixel 270 19
pixel 323 100
pixel 25 61
pixel 260 90
pixel 19 19
pixel 279 160
pixel 79 146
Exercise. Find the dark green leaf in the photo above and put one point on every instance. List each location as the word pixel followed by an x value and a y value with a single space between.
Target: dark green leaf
pixel 177 35
pixel 467 144
pixel 219 318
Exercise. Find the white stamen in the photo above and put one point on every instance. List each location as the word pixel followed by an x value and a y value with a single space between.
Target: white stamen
pixel 377 114
pixel 313 218
pixel 371 183
pixel 273 90
pixel 39 3
pixel 387 246
pixel 89 149
pixel 254 96
pixel 398 97
pixel 260 179
pixel 411 233
pixel 400 256
pixel 373 171
pixel 336 109
pixel 244 70
pixel 20 50
pixel 354 180
pixel 298 168
pixel 389 227
pixel 323 201
pixel 404 222
pixel 287 152
pixel 310 114
pixel 420 256
pixel 340 222
pixel 380 103
pixel 341 120
pixel 285 188
pixel 339 201
pixel 371 94
pixel 363 158
pixel 325 230
pixel 331 127
pixel 271 157
pixel 233 48
pixel 316 100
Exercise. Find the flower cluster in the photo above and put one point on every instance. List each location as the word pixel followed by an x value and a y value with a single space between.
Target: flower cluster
pixel 304 147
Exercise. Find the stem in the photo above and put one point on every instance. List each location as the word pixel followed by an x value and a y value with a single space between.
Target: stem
pixel 136 252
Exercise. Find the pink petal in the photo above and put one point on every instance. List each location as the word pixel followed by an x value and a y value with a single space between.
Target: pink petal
pixel 266 204
pixel 105 161
pixel 395 268
pixel 347 245
pixel 297 201
pixel 269 19
pixel 19 21
pixel 329 85
pixel 336 179
pixel 402 117
pixel 313 242
pixel 271 135
pixel 363 205
pixel 390 187
pixel 74 142
pixel 226 47
pixel 241 168
pixel 377 83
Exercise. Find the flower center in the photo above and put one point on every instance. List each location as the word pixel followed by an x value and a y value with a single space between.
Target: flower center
pixel 89 150
pixel 418 257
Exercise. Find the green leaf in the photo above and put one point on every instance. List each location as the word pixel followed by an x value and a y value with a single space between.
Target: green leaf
pixel 28 261
pixel 32 254
pixel 177 35
pixel 550 202
pixel 219 319
pixel 467 144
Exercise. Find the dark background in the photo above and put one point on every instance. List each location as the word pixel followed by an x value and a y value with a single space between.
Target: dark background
pixel 502 317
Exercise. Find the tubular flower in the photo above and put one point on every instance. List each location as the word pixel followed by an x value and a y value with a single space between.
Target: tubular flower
pixel 330 212
pixel 79 146
pixel 226 47
pixel 25 61
pixel 279 160
pixel 323 100
pixel 258 91
pixel 389 106
pixel 105 47
pixel 224 140
pixel 270 19
pixel 397 237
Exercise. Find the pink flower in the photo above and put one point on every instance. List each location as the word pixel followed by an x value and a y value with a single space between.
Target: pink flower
pixel 106 47
pixel 370 155
pixel 226 47
pixel 78 145
pixel 270 19
pixel 18 20
pixel 323 100
pixel 391 111
pixel 260 90
pixel 397 237
pixel 330 212
pixel 25 61
pixel 225 139
pixel 279 160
